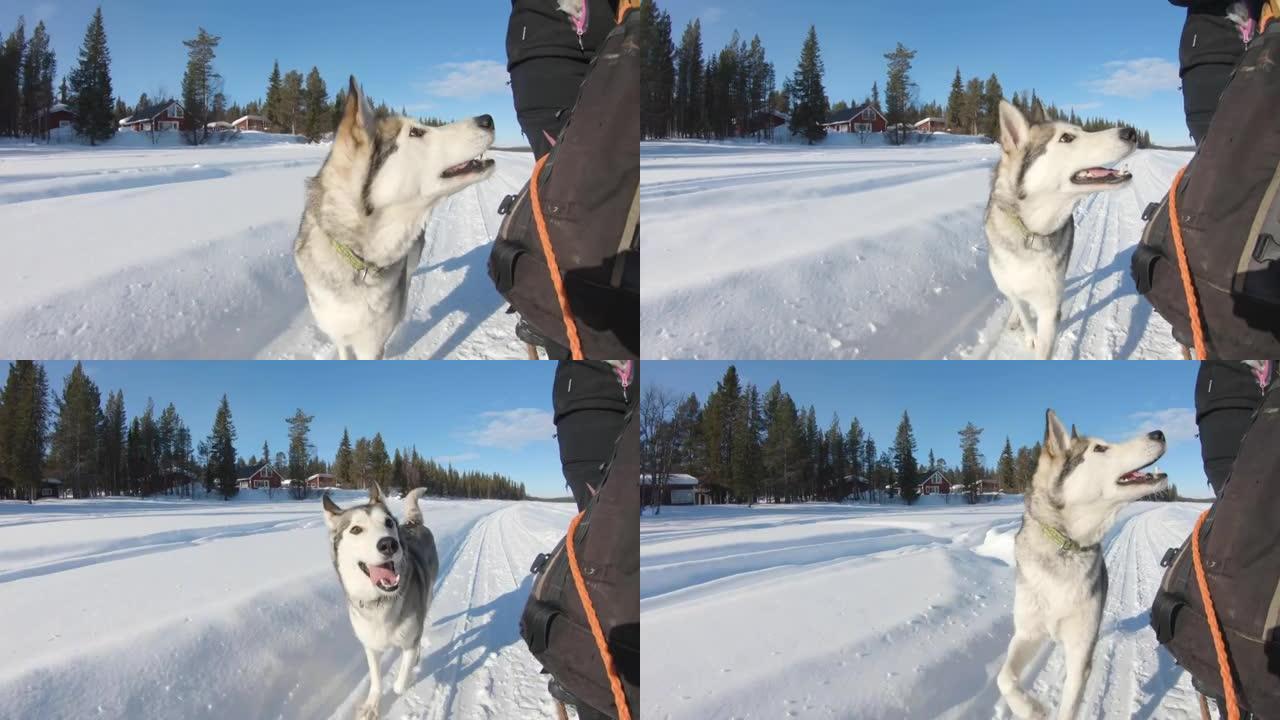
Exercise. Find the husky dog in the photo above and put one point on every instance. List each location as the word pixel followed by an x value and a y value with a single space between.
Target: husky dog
pixel 362 231
pixel 387 570
pixel 1044 169
pixel 1079 486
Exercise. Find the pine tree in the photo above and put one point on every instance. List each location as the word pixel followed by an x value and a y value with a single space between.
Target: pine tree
pixel 299 445
pixel 379 462
pixel 91 84
pixel 992 94
pixel 12 54
pixel 973 106
pixel 1006 470
pixel 290 102
pixel 875 95
pixel 853 445
pixel 955 103
pixel 73 445
pixel 342 463
pixel 24 425
pixel 690 87
pixel 220 470
pixel 971 461
pixel 808 97
pixel 657 71
pixel 38 70
pixel 398 473
pixel 904 461
pixel 200 83
pixel 897 88
pixel 112 462
pixel 316 104
pixel 272 108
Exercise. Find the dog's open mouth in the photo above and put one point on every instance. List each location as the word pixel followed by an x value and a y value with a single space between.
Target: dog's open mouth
pixel 474 165
pixel 384 576
pixel 1100 176
pixel 1138 477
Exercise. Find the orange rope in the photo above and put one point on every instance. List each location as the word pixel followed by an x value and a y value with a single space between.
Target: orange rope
pixel 626 6
pixel 1193 307
pixel 615 684
pixel 1219 645
pixel 570 326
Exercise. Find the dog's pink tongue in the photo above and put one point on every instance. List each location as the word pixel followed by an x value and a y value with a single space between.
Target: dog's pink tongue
pixel 382 576
pixel 1099 172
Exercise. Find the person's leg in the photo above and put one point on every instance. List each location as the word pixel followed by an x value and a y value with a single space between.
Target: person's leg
pixel 1227 396
pixel 586 443
pixel 1201 87
pixel 545 90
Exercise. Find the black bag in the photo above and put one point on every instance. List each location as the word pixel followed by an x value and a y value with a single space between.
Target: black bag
pixel 607 543
pixel 1229 211
pixel 1240 549
pixel 589 191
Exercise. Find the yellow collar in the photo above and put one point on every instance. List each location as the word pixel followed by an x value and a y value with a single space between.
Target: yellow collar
pixel 1060 539
pixel 354 260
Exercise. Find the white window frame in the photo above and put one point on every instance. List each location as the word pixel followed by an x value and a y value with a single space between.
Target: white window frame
pixel 862 127
pixel 177 110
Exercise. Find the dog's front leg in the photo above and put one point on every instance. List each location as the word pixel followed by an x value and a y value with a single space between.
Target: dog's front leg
pixel 408 659
pixel 1078 634
pixel 369 711
pixel 1047 319
pixel 1022 648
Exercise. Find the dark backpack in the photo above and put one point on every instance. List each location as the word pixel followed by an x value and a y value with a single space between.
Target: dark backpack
pixel 1240 549
pixel 1229 211
pixel 607 543
pixel 589 191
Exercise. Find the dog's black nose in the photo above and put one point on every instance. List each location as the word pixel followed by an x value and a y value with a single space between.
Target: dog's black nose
pixel 388 546
pixel 1129 135
pixel 1156 435
pixel 485 121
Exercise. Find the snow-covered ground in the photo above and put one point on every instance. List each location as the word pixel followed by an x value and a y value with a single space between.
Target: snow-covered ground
pixel 831 611
pixel 849 251
pixel 135 250
pixel 180 609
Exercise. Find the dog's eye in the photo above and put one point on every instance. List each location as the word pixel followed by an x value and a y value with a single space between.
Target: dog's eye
pixel 1066 138
pixel 417 132
pixel 356 530
pixel 1099 448
pixel 389 522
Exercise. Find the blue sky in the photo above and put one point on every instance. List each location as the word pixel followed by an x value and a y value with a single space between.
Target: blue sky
pixel 489 416
pixel 434 58
pixel 1113 400
pixel 1114 58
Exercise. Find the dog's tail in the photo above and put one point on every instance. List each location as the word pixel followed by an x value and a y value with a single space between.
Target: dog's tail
pixel 412 513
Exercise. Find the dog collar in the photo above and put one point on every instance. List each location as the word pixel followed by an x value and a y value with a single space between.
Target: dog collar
pixel 1060 539
pixel 1013 216
pixel 354 260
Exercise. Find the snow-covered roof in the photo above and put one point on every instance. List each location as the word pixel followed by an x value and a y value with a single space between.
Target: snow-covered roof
pixel 52 481
pixel 218 124
pixel 673 479
pixel 243 118
pixel 922 121
pixel 318 475
pixel 60 107
pixel 150 112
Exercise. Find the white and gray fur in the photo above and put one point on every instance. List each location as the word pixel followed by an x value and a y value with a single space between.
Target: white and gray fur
pixel 374 195
pixel 384 618
pixel 1029 224
pixel 1079 486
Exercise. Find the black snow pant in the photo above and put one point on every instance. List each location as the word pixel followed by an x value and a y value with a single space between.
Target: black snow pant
pixel 590 406
pixel 1227 396
pixel 1208 51
pixel 545 89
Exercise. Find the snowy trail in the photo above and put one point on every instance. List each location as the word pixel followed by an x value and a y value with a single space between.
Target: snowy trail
pixel 179 252
pixel 829 611
pixel 846 251
pixel 159 609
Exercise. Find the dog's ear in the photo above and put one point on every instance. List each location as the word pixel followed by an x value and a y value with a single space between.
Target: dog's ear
pixel 1055 435
pixel 375 492
pixel 1074 434
pixel 331 511
pixel 1037 114
pixel 357 126
pixel 1013 127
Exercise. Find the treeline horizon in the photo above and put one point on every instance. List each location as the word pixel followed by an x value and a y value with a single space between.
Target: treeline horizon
pixel 688 94
pixel 766 447
pixel 96 450
pixel 293 102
